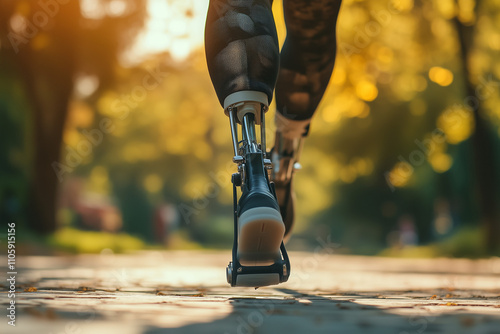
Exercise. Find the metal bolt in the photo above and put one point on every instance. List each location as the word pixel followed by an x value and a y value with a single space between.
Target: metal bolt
pixel 268 164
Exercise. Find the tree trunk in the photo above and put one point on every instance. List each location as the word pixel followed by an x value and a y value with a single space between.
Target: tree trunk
pixel 48 76
pixel 42 210
pixel 482 142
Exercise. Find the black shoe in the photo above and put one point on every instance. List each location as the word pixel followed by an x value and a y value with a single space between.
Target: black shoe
pixel 260 225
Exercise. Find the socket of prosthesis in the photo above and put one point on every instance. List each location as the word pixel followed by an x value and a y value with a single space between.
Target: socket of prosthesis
pixel 246 102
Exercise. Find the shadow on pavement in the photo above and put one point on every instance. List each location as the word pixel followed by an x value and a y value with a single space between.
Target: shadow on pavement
pixel 297 312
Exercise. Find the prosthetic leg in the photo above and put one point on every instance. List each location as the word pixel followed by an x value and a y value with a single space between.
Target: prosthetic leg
pixel 243 58
pixel 259 257
pixel 285 154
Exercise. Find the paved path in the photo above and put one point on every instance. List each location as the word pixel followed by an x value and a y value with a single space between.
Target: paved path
pixel 186 292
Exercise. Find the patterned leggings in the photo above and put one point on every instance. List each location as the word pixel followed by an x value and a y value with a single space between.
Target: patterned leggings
pixel 242 51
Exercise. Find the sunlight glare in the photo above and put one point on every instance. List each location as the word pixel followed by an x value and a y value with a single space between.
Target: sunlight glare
pixel 117 7
pixel 174 26
pixel 86 85
pixel 18 23
pixel 92 9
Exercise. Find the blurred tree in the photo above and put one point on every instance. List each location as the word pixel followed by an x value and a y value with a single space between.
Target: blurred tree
pixel 486 177
pixel 398 72
pixel 398 76
pixel 52 43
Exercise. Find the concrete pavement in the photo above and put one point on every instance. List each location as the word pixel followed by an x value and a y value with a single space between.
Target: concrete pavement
pixel 186 292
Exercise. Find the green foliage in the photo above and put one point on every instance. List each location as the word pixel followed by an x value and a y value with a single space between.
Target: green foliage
pixel 77 241
pixel 467 242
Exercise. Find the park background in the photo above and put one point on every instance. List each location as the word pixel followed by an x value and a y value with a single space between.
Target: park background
pixel 111 136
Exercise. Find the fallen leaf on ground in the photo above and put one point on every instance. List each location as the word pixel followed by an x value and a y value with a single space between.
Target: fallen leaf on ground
pixel 467 321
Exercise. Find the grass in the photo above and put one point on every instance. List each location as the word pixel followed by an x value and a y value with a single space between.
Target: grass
pixel 179 240
pixel 77 241
pixel 465 243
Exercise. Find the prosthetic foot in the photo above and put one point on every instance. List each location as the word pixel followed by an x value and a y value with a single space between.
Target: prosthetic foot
pixel 259 257
pixel 285 155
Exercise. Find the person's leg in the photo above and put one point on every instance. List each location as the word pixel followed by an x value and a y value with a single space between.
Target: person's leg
pixel 242 52
pixel 241 46
pixel 306 65
pixel 307 57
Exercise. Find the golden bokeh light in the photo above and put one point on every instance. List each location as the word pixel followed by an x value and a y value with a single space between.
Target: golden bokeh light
pixel 385 55
pixel 441 76
pixel 447 8
pixel 457 123
pixel 366 90
pixel 440 162
pixel 153 183
pixel 466 12
pixel 331 114
pixel 402 5
pixel 339 76
pixel 400 174
pixel 363 166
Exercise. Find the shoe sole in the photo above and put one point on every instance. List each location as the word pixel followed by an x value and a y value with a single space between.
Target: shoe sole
pixel 261 232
